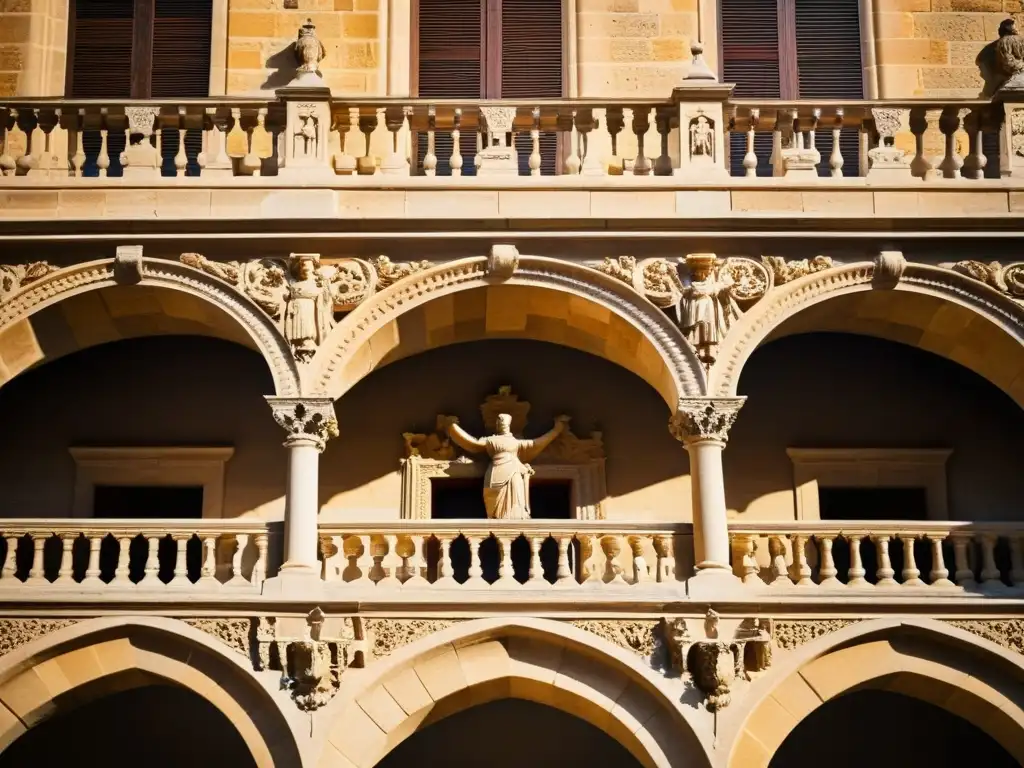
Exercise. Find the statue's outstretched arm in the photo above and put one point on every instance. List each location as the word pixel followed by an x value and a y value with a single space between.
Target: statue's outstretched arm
pixel 529 449
pixel 463 439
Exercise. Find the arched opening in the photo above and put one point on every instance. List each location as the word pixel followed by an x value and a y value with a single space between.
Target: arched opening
pixel 905 731
pixel 156 725
pixel 528 734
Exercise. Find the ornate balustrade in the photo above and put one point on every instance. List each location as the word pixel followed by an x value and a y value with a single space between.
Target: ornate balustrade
pixel 94 554
pixel 889 141
pixel 532 554
pixel 856 555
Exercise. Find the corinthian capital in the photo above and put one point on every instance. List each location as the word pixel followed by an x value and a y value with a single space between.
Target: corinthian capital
pixel 704 418
pixel 305 419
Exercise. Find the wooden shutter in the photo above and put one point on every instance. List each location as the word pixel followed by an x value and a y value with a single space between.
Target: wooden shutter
pixel 750 59
pixel 532 67
pixel 828 56
pixel 100 61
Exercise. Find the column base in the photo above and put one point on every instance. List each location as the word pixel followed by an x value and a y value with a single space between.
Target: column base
pixel 295 582
pixel 713 583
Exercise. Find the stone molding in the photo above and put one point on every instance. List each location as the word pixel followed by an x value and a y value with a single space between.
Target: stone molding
pixel 355 330
pixel 21 297
pixel 705 418
pixel 790 299
pixel 14 633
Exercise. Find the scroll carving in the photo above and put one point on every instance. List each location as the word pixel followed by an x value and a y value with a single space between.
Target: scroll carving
pixel 1008 280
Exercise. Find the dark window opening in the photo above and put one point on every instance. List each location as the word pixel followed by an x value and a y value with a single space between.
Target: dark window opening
pixel 148 502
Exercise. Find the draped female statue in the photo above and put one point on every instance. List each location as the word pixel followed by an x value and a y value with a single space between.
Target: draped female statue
pixel 507 481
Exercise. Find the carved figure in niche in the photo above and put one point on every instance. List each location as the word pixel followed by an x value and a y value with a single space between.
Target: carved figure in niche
pixel 309 51
pixel 507 480
pixel 708 306
pixel 306 138
pixel 309 309
pixel 702 137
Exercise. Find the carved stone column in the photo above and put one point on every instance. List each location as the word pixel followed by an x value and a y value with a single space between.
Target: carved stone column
pixel 702 424
pixel 310 423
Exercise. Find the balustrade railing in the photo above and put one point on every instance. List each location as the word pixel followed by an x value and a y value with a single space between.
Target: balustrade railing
pixel 535 554
pixel 801 140
pixel 852 555
pixel 95 554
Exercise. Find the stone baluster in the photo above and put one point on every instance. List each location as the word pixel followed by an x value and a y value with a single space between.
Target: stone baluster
pixel 535 158
pixel 395 164
pixel 216 127
pixel 208 567
pixel 103 156
pixel 939 574
pixel 331 547
pixel 8 166
pixel 476 571
pixel 744 562
pixel 180 156
pixel 663 122
pixel 259 568
pixel 76 149
pixel 362 546
pixel 572 164
pixel 964 575
pixel 991 578
pixel 750 158
pixel 585 124
pixel 151 568
pixel 390 562
pixel 1016 561
pixel 911 573
pixel 48 119
pixel 430 158
pixel 478 158
pixel 885 573
pixel 949 124
pixel 416 563
pixel 641 125
pixel 801 568
pixel 855 577
pixel 616 122
pixel 641 571
pixel 506 572
pixel 37 573
pixel 250 163
pixel 445 572
pixel 456 159
pixel 344 124
pixel 827 572
pixel 835 160
pixel 309 423
pixel 236 579
pixel 812 134
pixel 535 578
pixel 921 121
pixel 122 571
pixel 66 575
pixel 702 425
pixel 778 160
pixel 10 566
pixel 27 121
pixel 92 571
pixel 611 545
pixel 180 578
pixel 975 162
pixel 563 574
pixel 665 550
pixel 590 558
pixel 780 571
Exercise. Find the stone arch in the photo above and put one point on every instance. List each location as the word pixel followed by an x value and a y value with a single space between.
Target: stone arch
pixel 927 659
pixel 70 666
pixel 544 299
pixel 69 282
pixel 540 660
pixel 932 308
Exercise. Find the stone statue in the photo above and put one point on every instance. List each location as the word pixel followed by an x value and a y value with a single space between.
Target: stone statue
pixel 507 481
pixel 708 307
pixel 309 51
pixel 309 306
pixel 1002 62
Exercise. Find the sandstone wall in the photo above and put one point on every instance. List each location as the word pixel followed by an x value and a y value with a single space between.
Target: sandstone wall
pixel 927 48
pixel 33 44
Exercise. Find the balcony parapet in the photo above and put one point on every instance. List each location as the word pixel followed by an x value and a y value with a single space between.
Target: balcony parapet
pixel 97 556
pixel 887 558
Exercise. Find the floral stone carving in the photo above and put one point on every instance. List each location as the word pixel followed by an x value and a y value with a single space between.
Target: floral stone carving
pixel 1008 280
pixel 785 271
pixel 703 418
pixel 792 634
pixel 305 419
pixel 389 272
pixel 623 268
pixel 15 633
pixel 637 637
pixel 234 633
pixel 385 636
pixel 1007 633
pixel 14 277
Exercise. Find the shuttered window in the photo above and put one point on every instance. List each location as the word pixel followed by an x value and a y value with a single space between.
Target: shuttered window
pixel 793 49
pixel 488 49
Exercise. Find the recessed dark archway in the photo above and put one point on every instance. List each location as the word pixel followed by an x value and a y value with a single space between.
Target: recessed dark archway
pixel 161 726
pixel 885 729
pixel 510 733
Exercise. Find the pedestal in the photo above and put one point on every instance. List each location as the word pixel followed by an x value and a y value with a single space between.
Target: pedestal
pixel 307 130
pixel 702 129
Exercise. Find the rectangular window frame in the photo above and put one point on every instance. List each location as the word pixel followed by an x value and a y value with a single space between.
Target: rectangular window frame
pixel 815 468
pixel 177 466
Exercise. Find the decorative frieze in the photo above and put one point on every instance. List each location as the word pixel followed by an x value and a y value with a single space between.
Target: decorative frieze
pixel 1007 633
pixel 385 636
pixel 636 636
pixel 789 635
pixel 784 271
pixel 15 633
pixel 236 634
